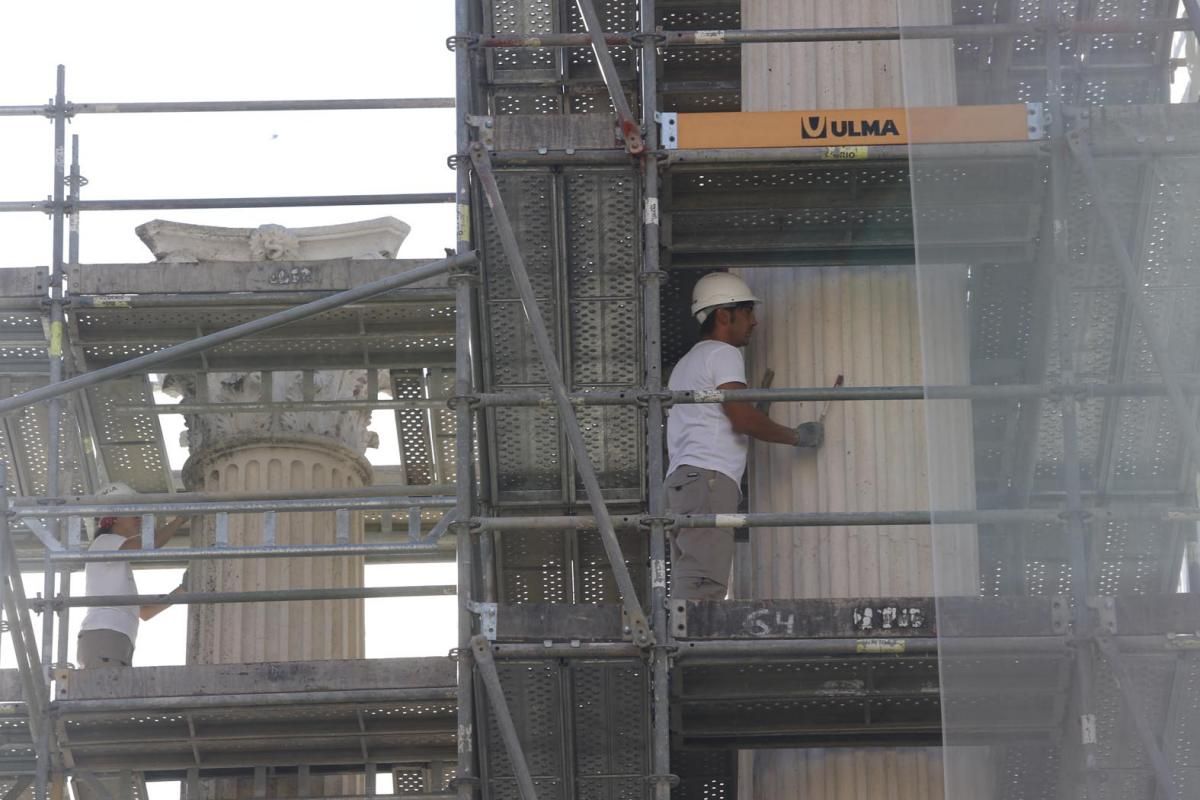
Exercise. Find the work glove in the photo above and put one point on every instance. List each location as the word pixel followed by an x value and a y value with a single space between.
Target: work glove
pixel 809 434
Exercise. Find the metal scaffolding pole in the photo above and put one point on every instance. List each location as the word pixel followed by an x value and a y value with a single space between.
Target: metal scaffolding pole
pixel 486 665
pixel 466 781
pixel 26 663
pixel 1054 255
pixel 1193 16
pixel 566 412
pixel 159 204
pixel 64 576
pixel 826 519
pixel 172 555
pixel 432 494
pixel 230 506
pixel 54 410
pixel 626 122
pixel 652 278
pixel 207 106
pixel 725 38
pixel 985 393
pixel 269 596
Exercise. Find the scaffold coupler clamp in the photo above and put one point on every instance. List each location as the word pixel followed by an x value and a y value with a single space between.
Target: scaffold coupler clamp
pixel 649 520
pixel 471 40
pixel 670 779
pixel 486 127
pixel 487 613
pixel 643 37
pixel 642 636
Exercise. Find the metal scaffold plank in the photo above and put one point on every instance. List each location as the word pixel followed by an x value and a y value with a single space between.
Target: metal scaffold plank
pixel 567 414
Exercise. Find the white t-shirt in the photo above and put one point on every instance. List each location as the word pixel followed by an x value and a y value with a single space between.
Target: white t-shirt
pixel 105 578
pixel 699 434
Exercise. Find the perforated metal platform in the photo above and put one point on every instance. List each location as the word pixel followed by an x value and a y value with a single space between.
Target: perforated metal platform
pixel 1119 68
pixel 580 236
pixel 1131 448
pixel 830 214
pixel 584 727
pixel 228 719
pixel 124 310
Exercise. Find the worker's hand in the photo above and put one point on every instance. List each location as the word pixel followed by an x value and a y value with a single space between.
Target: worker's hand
pixel 809 434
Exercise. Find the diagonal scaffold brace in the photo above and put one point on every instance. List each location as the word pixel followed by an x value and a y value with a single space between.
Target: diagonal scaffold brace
pixel 631 130
pixel 1184 415
pixel 1158 760
pixel 566 411
pixel 481 648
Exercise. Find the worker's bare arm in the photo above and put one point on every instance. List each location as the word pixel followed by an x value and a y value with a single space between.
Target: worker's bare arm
pixel 749 421
pixel 149 611
pixel 162 535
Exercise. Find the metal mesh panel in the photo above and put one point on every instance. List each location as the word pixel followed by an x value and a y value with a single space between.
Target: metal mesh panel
pixel 527 452
pixel 705 774
pixel 128 442
pixel 1028 772
pixel 593 215
pixel 611 724
pixel 596 582
pixel 586 725
pixel 534 566
pixel 412 429
pixel 409 780
pixel 533 691
pixel 615 15
pixel 522 17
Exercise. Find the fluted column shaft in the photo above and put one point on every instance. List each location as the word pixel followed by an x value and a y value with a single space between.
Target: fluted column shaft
pixel 865 323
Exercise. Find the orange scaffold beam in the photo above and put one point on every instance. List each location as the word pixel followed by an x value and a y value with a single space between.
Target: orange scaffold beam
pixel 858 127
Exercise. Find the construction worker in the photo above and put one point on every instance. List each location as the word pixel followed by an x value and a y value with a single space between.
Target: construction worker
pixel 108 633
pixel 707 443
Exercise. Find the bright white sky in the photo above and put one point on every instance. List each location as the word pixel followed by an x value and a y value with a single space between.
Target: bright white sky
pixel 134 50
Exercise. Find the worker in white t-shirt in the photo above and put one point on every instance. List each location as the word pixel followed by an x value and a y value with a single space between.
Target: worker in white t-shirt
pixel 108 633
pixel 707 443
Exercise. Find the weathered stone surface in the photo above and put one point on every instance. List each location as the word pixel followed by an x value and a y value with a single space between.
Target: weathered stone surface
pixel 187 243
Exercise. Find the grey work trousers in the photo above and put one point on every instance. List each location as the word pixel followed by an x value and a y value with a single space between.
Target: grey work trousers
pixel 701 558
pixel 103 648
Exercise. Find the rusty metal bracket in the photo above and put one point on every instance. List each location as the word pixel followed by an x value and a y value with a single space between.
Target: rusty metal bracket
pixel 482 649
pixel 487 613
pixel 631 130
pixel 642 634
pixel 485 128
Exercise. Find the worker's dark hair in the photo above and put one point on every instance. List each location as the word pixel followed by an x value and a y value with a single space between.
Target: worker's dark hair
pixel 104 525
pixel 710 322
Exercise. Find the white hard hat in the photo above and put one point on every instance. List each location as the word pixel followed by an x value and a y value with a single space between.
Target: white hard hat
pixel 116 489
pixel 719 289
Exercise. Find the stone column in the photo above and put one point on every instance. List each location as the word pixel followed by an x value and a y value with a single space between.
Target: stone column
pixel 285 451
pixel 866 324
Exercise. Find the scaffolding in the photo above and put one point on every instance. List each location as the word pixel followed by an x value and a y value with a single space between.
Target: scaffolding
pixel 576 673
